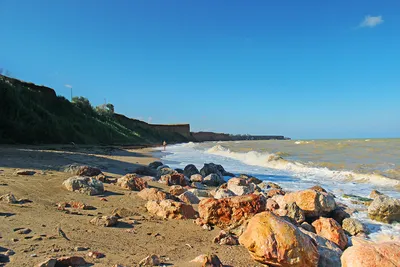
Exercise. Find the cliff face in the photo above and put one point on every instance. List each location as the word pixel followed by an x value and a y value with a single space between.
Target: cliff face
pixel 210 136
pixel 33 114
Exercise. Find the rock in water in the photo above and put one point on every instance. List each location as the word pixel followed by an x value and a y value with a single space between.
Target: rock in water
pixel 385 209
pixel 375 193
pixel 84 185
pixel 232 211
pixel 331 230
pixel 152 194
pixel 132 182
pixel 313 203
pixel 170 209
pixel 273 241
pixel 353 226
pixel 372 255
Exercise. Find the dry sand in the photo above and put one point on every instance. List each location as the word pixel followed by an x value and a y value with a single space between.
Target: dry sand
pixel 177 241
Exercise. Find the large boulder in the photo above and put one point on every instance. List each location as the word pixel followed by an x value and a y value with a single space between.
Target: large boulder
pixel 240 186
pixel 210 168
pixel 132 182
pixel 331 230
pixel 341 212
pixel 313 203
pixel 84 184
pixel 174 179
pixel 329 252
pixel 189 198
pixel 273 241
pixel 170 209
pixel 370 254
pixel 213 180
pixel 190 170
pixel 353 226
pixel 384 209
pixel 82 170
pixel 152 194
pixel 292 212
pixel 232 211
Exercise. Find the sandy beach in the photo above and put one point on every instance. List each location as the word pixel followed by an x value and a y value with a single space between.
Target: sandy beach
pixel 132 239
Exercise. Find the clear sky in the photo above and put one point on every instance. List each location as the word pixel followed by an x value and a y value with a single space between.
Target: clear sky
pixel 304 69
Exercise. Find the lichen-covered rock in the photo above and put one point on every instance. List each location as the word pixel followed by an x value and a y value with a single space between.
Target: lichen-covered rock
pixel 293 212
pixel 240 186
pixel 213 180
pixel 170 209
pixel 132 182
pixel 370 254
pixel 313 203
pixel 331 230
pixel 152 194
pixel 273 241
pixel 385 209
pixel 375 193
pixel 232 211
pixel 105 221
pixel 190 170
pixel 177 190
pixel 84 185
pixel 189 198
pixel 353 226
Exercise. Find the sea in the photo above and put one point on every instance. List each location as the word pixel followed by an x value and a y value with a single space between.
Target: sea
pixel 342 167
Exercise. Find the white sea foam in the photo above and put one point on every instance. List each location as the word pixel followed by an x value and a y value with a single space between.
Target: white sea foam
pixel 273 161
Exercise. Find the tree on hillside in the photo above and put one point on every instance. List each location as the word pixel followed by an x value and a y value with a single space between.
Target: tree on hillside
pixel 82 103
pixel 105 109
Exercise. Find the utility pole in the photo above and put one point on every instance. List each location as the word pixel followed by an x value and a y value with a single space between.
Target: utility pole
pixel 71 93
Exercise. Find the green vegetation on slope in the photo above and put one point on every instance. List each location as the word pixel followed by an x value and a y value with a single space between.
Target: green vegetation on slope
pixel 31 114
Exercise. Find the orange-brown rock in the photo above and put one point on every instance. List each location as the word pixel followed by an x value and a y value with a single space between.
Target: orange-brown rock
pixel 174 179
pixel 176 190
pixel 231 211
pixel 331 230
pixel 313 203
pixel 273 241
pixel 132 182
pixel 170 209
pixel 152 194
pixel 372 255
pixel 272 192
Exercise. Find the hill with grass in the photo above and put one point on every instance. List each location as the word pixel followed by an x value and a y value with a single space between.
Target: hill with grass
pixel 33 114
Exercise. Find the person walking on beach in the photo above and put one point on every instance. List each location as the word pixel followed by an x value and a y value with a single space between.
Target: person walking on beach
pixel 164 145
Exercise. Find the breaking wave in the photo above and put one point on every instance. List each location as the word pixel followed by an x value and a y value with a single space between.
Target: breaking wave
pixel 300 170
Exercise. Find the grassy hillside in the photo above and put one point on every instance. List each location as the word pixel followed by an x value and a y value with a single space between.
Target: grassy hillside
pixel 31 114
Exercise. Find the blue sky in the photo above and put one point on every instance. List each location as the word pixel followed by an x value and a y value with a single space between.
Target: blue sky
pixel 304 69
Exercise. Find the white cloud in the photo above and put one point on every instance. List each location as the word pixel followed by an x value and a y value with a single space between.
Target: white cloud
pixel 150 119
pixel 68 86
pixel 370 21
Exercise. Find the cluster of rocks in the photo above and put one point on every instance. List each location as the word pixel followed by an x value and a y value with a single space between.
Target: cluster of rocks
pixel 278 228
